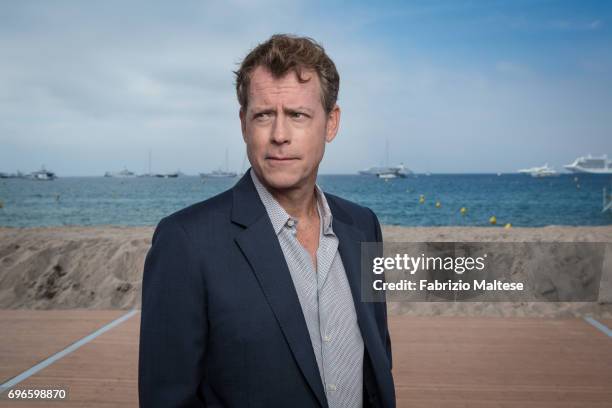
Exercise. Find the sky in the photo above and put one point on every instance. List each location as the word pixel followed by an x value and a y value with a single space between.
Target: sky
pixel 452 86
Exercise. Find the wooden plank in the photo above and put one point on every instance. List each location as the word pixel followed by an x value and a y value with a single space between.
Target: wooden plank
pixel 30 336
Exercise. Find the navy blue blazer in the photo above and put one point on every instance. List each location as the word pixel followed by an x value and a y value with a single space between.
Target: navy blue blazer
pixel 221 323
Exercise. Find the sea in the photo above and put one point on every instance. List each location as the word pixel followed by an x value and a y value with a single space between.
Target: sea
pixel 419 200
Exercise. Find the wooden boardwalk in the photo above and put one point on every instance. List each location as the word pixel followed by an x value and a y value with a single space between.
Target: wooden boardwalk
pixel 438 361
pixel 501 362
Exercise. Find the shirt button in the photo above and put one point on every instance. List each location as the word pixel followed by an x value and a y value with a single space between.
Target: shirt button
pixel 327 339
pixel 290 223
pixel 331 387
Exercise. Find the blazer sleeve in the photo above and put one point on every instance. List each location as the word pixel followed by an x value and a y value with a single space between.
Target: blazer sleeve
pixel 173 326
pixel 385 334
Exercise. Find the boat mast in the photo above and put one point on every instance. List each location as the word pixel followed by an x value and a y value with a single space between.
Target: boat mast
pixel 387 152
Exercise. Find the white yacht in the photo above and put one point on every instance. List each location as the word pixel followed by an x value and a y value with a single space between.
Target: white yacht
pixel 387 171
pixel 375 171
pixel 591 164
pixel 121 174
pixel 540 171
pixel 42 174
pixel 544 171
pixel 384 171
pixel 530 170
pixel 219 173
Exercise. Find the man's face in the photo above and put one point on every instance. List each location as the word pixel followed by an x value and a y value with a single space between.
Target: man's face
pixel 285 128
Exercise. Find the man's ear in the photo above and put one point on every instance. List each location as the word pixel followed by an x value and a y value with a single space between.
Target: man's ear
pixel 333 124
pixel 242 115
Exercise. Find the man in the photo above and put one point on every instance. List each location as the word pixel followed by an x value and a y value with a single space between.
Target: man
pixel 252 298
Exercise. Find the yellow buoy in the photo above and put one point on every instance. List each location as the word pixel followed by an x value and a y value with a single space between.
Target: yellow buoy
pixel 508 225
pixel 463 210
pixel 421 199
pixel 438 205
pixel 493 220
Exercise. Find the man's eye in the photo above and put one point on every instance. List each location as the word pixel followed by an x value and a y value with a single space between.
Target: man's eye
pixel 262 115
pixel 298 115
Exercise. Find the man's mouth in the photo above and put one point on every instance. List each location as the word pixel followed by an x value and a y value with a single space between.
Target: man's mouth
pixel 281 159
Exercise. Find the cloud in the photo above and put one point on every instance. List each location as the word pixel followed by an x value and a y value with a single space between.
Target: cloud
pixel 91 88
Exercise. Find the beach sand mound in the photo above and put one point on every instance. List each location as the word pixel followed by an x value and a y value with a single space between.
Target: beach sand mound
pixel 72 267
pixel 101 268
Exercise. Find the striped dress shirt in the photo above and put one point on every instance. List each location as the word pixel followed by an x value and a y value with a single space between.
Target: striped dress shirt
pixel 325 297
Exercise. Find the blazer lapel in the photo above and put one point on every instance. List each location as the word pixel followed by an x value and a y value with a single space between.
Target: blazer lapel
pixel 260 246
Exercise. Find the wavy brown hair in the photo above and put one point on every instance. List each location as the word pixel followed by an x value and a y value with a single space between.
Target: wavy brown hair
pixel 283 53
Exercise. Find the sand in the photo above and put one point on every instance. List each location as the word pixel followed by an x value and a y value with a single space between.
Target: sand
pixel 72 267
pixel 101 268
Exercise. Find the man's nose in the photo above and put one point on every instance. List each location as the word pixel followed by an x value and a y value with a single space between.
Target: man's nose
pixel 280 133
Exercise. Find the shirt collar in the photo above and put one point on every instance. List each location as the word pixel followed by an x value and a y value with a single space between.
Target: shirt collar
pixel 279 217
pixel 324 211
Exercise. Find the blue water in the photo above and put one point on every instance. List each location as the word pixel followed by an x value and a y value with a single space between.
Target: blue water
pixel 517 199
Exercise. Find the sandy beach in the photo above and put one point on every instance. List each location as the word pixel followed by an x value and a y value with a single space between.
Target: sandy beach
pixel 101 268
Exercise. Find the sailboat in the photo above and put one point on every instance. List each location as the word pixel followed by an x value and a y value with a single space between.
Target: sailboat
pixel 386 171
pixel 219 173
pixel 160 175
